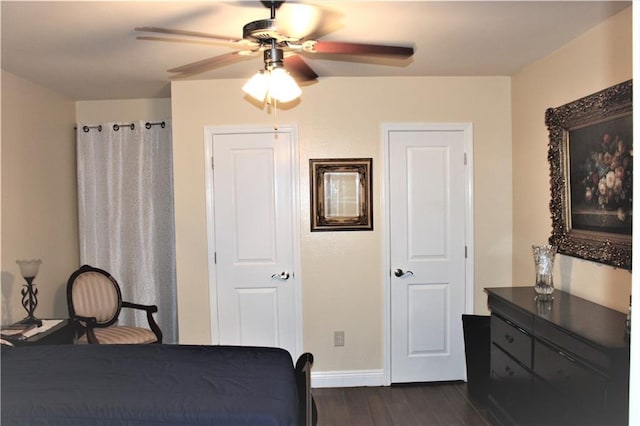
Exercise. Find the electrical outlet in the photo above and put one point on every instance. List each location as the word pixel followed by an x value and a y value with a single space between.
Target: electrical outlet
pixel 338 338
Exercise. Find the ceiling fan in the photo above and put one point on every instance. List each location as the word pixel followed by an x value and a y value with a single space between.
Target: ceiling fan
pixel 281 48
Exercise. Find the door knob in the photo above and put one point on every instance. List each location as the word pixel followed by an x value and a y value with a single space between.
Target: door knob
pixel 284 275
pixel 400 273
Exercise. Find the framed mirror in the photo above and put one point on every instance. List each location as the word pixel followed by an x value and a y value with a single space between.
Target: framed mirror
pixel 341 194
pixel 591 166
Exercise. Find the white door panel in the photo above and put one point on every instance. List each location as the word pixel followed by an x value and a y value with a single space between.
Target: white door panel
pixel 253 211
pixel 250 193
pixel 427 238
pixel 257 310
pixel 424 204
pixel 426 304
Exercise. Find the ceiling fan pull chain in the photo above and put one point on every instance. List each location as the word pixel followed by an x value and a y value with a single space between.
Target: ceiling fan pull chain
pixel 275 115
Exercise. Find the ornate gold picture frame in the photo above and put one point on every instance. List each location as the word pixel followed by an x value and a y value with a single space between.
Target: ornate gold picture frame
pixel 591 166
pixel 341 197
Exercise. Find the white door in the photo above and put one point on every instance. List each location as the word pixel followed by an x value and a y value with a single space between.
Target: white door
pixel 427 237
pixel 256 284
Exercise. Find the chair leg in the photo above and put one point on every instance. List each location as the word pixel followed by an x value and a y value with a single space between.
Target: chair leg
pixel 154 327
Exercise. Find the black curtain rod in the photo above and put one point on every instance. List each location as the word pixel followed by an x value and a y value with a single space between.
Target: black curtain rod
pixel 117 127
pixel 87 128
pixel 148 125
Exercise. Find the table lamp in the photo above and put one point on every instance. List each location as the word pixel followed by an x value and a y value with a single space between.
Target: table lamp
pixel 29 270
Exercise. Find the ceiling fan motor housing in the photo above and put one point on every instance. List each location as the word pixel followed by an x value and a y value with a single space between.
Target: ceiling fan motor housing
pixel 264 30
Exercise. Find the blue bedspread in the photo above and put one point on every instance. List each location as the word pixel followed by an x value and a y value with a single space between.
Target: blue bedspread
pixel 147 385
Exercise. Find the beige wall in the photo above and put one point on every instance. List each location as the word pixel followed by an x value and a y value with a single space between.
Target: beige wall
pixel 342 271
pixel 123 111
pixel 39 207
pixel 596 60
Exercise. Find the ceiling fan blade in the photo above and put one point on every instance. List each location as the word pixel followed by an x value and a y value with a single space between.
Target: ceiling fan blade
pixel 299 68
pixel 338 47
pixel 242 45
pixel 221 39
pixel 209 64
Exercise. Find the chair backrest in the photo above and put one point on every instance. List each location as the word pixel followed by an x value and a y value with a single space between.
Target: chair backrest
pixel 93 292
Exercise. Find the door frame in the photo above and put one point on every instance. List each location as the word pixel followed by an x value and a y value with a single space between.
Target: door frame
pixel 467 128
pixel 209 132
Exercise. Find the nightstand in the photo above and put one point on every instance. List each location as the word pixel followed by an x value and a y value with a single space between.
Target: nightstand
pixel 60 334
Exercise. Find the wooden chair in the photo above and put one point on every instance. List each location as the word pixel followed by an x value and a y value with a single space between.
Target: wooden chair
pixel 95 300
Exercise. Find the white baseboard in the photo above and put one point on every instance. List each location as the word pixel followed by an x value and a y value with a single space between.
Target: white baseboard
pixel 346 379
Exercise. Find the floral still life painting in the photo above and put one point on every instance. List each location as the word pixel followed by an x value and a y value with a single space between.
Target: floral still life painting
pixel 601 167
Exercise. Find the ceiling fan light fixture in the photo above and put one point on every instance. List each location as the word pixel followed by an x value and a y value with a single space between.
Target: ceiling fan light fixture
pixel 257 86
pixel 275 83
pixel 282 86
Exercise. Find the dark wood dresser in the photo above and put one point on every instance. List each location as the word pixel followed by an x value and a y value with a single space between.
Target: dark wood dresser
pixel 563 362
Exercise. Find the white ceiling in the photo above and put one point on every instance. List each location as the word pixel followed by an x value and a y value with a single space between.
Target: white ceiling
pixel 88 50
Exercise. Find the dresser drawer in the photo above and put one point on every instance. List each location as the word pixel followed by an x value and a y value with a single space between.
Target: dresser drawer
pixel 576 381
pixel 505 369
pixel 512 339
pixel 511 386
pixel 556 336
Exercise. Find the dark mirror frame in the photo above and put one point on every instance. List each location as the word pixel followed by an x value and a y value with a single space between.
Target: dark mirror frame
pixel 363 221
pixel 574 122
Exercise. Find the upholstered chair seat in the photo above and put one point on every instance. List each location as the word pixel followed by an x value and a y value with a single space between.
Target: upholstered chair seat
pixel 121 334
pixel 95 302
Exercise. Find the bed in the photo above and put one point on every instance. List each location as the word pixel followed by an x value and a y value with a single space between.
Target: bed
pixel 154 385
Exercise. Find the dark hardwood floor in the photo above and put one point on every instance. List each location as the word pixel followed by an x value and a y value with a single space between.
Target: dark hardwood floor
pixel 407 405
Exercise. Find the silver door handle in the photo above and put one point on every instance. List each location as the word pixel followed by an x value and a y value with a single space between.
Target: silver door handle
pixel 284 275
pixel 400 273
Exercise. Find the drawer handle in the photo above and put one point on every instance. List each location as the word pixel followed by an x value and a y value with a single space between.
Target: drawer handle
pixel 567 356
pixel 508 338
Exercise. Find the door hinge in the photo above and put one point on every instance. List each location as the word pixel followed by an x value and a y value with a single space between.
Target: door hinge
pixel 215 258
pixel 211 163
pixel 465 252
pixel 465 158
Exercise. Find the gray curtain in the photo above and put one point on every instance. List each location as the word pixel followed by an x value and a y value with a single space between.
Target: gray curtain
pixel 126 221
